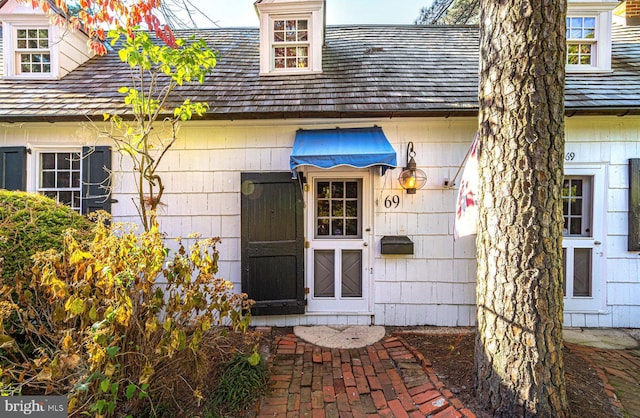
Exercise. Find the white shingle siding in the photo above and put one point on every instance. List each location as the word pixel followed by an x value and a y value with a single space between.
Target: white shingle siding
pixel 435 285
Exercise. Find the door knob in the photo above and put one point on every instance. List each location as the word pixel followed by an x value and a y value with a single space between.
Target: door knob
pixel 597 243
pixel 365 244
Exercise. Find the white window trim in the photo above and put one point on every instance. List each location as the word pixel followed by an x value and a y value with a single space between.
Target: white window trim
pixel 33 166
pixel 11 64
pixel 601 53
pixel 313 11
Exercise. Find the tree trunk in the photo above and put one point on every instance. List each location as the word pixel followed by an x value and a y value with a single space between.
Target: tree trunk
pixel 518 357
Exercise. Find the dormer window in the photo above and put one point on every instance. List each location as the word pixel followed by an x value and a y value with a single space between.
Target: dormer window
pixel 581 39
pixel 290 43
pixel 33 55
pixel 291 36
pixel 589 36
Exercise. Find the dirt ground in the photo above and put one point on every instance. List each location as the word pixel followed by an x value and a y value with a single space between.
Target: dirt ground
pixel 452 358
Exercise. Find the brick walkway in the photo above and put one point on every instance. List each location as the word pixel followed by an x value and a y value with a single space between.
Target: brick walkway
pixel 380 380
pixel 620 373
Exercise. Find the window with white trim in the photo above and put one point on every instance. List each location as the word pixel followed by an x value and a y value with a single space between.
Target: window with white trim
pixel 581 40
pixel 59 177
pixel 290 43
pixel 33 53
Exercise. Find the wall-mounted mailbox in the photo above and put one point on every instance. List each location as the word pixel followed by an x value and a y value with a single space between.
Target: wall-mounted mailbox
pixel 396 244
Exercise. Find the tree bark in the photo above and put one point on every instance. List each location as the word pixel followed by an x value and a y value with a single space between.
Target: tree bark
pixel 518 355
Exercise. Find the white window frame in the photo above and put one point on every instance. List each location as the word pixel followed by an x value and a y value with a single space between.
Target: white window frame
pixel 19 52
pixel 34 170
pixel 12 53
pixel 601 45
pixel 270 11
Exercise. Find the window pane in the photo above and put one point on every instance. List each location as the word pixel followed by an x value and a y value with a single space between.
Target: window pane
pixel 43 33
pixel 589 33
pixel 32 43
pixel 576 22
pixel 22 33
pixel 64 179
pixel 278 25
pixel 291 36
pixel 337 208
pixel 291 25
pixel 32 33
pixel 291 52
pixel 585 59
pixel 323 189
pixel 302 25
pixel 590 22
pixel 575 34
pixel 75 179
pixel 48 180
pixel 352 208
pixel 65 198
pixel 75 161
pixel 337 227
pixel 323 208
pixel 303 63
pixel 337 190
pixel 48 160
pixel 351 227
pixel 323 227
pixel 352 189
pixel 76 200
pixel 582 272
pixel 278 36
pixel 302 36
pixel 576 226
pixel 279 52
pixel 22 43
pixel 64 161
pixel 576 207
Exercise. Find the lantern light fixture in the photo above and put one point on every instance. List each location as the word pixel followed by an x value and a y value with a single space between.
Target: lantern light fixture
pixel 412 178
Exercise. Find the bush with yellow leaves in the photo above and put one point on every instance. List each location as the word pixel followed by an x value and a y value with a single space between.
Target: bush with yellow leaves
pixel 106 319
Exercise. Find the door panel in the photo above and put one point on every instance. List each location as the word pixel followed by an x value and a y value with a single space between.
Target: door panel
pixel 272 242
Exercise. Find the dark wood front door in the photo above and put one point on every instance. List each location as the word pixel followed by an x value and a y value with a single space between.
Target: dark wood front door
pixel 272 243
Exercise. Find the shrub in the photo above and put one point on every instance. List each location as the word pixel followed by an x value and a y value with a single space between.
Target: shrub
pixel 244 378
pixel 109 318
pixel 30 223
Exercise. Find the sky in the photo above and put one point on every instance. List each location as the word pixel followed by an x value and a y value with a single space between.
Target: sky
pixel 229 13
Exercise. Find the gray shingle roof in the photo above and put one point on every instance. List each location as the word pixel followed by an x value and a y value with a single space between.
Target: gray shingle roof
pixel 370 70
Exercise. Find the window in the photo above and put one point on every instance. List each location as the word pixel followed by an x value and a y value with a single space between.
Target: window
pixel 581 40
pixel 33 55
pixel 290 44
pixel 576 206
pixel 59 177
pixel 338 209
pixel 291 36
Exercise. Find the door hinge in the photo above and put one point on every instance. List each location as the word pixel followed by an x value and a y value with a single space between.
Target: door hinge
pixel 307 244
pixel 306 290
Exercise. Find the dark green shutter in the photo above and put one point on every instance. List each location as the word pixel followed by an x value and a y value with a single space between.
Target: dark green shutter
pixel 634 204
pixel 13 168
pixel 272 243
pixel 96 182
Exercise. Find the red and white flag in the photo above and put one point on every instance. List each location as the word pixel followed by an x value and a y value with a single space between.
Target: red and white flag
pixel 466 220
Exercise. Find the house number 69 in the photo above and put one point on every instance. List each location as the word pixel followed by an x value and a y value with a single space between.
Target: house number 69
pixel 392 201
pixel 569 156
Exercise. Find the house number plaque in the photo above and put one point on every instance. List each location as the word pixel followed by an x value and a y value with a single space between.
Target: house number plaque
pixel 392 201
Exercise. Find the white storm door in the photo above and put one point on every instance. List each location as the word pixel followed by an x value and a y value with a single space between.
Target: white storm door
pixel 339 231
pixel 583 198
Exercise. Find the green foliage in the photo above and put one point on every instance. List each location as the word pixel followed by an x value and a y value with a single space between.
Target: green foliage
pixel 243 380
pixel 156 70
pixel 107 318
pixel 450 12
pixel 30 223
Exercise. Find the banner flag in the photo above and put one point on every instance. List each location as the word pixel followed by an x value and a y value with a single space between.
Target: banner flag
pixel 466 219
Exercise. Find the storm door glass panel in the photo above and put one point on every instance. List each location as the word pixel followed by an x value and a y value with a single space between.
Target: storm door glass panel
pixel 338 209
pixel 323 273
pixel 576 206
pixel 351 273
pixel 582 272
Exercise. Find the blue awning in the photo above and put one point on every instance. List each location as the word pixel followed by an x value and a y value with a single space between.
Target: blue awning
pixel 354 147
